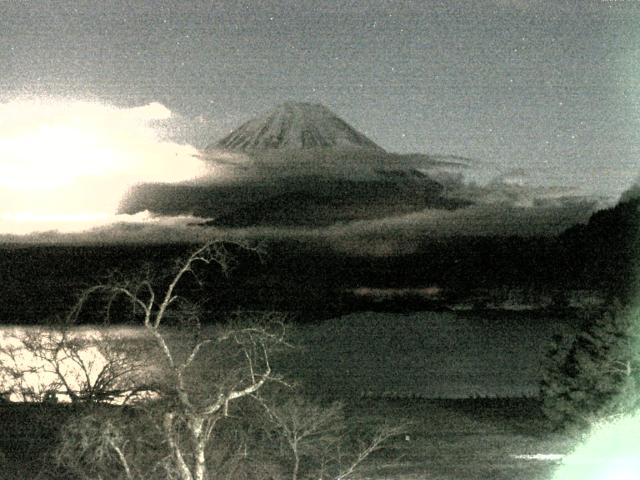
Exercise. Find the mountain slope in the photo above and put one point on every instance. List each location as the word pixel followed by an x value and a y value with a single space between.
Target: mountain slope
pixel 295 125
pixel 301 165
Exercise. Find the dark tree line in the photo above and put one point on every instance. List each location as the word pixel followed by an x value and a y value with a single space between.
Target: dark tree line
pixel 596 374
pixel 312 277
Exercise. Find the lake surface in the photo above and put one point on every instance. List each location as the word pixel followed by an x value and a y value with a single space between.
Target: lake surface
pixel 426 354
pixel 432 355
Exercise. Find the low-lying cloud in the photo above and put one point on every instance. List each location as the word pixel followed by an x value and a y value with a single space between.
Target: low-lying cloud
pixel 396 235
pixel 349 163
pixel 64 162
pixel 65 167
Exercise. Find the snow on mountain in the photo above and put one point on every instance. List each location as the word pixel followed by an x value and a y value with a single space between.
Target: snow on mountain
pixel 295 125
pixel 301 165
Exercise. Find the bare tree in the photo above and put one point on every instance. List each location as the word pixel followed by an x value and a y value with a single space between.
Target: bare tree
pixel 199 372
pixel 316 439
pixel 46 363
pixel 210 380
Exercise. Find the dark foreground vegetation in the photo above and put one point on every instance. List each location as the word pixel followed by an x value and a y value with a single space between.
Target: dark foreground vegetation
pixel 184 400
pixel 313 281
pixel 444 439
pixel 226 414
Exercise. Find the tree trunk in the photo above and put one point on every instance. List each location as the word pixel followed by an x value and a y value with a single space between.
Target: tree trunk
pixel 181 465
pixel 296 466
pixel 296 461
pixel 200 469
pixel 199 443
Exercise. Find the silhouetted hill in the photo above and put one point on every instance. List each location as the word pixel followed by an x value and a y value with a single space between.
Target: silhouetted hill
pixel 607 249
pixel 313 280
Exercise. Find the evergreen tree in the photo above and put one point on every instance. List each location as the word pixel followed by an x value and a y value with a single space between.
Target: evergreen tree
pixel 595 373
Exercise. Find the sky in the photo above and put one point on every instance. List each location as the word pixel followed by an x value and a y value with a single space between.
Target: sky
pixel 547 89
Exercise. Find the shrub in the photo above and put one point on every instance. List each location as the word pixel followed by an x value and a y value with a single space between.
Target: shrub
pixel 595 373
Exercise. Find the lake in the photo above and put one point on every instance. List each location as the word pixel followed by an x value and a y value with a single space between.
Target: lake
pixel 425 354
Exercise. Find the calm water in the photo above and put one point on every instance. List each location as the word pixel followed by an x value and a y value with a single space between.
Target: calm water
pixel 427 354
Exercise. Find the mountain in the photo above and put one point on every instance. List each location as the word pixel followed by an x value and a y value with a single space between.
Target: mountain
pixel 301 165
pixel 295 125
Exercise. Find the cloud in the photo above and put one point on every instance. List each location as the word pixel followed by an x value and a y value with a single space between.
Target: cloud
pixel 505 206
pixel 66 191
pixel 303 187
pixel 395 235
pixel 65 161
pixel 352 164
pixel 513 189
pixel 142 227
pixel 402 235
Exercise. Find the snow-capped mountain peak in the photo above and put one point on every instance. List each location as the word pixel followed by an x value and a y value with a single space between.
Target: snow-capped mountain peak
pixel 292 126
